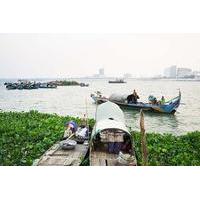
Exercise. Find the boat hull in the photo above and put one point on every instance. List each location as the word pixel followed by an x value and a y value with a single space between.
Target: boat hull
pixel 116 82
pixel 168 109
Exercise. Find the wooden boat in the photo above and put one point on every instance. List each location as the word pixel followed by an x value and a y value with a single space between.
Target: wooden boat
pixel 169 107
pixel 84 84
pixel 117 81
pixel 111 143
pixel 56 156
pixel 59 156
pixel 22 85
pixel 47 86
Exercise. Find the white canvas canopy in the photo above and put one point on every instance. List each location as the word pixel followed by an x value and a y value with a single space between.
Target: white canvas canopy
pixel 118 97
pixel 109 116
pixel 110 124
pixel 109 110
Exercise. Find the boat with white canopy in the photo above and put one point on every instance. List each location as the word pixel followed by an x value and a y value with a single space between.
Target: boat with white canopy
pixel 111 142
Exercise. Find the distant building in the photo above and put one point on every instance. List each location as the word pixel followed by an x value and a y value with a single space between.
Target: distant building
pixel 101 72
pixel 127 75
pixel 184 73
pixel 196 74
pixel 170 72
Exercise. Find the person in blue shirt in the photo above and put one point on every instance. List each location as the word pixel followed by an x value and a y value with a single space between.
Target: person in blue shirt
pixel 70 128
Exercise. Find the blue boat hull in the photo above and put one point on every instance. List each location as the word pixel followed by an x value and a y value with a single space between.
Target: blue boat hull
pixel 169 108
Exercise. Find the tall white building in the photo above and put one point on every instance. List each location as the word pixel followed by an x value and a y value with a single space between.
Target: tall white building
pixel 101 72
pixel 127 75
pixel 196 73
pixel 170 72
pixel 183 72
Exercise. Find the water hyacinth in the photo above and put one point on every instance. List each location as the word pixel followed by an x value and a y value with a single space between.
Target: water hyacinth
pixel 25 136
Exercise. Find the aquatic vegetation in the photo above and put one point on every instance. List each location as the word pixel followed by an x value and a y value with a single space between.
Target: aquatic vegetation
pixel 170 150
pixel 25 136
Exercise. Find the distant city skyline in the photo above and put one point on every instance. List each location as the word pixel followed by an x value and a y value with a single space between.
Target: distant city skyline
pixel 81 55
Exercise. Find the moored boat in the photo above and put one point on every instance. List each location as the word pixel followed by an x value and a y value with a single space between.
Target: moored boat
pixel 47 86
pixel 117 81
pixel 111 143
pixel 57 156
pixel 29 85
pixel 68 152
pixel 168 107
pixel 84 84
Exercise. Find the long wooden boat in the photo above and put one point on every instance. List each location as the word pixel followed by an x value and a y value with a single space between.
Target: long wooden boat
pixel 56 156
pixel 84 84
pixel 117 81
pixel 169 107
pixel 59 156
pixel 111 143
pixel 47 86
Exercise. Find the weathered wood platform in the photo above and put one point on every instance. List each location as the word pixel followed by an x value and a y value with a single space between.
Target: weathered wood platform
pixel 55 156
pixel 98 158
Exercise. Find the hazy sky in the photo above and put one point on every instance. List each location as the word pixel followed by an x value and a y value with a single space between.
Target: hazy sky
pixel 66 55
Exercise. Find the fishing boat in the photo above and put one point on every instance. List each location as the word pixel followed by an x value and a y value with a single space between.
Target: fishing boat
pixel 47 86
pixel 56 156
pixel 169 107
pixel 68 152
pixel 117 81
pixel 28 85
pixel 84 84
pixel 111 143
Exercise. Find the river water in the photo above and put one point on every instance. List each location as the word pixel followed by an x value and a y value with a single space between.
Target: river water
pixel 73 100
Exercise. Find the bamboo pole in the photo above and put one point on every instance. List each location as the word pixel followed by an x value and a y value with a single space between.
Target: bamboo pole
pixel 86 113
pixel 143 140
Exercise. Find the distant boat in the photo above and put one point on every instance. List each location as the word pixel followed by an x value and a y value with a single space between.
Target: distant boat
pixel 47 86
pixel 84 84
pixel 29 85
pixel 117 81
pixel 168 107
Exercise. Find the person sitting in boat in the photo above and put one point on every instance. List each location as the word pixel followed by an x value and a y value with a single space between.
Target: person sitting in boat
pixel 162 101
pixel 70 128
pixel 135 97
pixel 82 133
pixel 132 98
pixel 152 100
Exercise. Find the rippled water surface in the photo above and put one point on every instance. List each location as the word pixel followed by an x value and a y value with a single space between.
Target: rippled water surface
pixel 73 100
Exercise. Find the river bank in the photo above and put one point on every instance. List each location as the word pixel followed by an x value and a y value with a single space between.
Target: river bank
pixel 25 136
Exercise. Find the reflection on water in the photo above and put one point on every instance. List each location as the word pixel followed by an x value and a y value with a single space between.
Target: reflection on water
pixel 153 120
pixel 72 101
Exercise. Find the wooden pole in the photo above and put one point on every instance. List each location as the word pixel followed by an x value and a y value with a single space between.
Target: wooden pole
pixel 86 109
pixel 143 140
